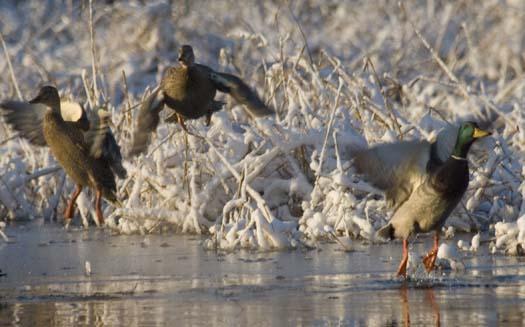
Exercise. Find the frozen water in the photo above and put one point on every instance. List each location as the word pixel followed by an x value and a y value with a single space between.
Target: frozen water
pixel 341 75
pixel 155 279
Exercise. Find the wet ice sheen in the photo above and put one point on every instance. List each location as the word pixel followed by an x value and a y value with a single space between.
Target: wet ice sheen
pixel 173 280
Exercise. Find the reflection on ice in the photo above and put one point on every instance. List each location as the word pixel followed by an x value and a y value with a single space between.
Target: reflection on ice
pixel 173 280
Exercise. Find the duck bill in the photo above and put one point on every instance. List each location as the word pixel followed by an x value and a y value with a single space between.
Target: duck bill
pixel 479 133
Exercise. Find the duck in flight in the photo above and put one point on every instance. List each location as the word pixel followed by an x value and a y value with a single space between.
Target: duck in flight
pixel 189 90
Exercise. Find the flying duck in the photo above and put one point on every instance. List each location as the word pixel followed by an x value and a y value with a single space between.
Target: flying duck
pixel 189 90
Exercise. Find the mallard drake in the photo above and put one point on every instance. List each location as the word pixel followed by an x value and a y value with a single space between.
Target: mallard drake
pixel 90 155
pixel 189 89
pixel 423 182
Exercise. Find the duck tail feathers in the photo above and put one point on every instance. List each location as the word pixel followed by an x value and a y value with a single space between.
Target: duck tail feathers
pixel 119 170
pixel 111 197
pixel 386 233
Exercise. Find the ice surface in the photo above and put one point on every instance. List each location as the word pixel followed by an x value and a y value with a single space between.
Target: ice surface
pixel 161 280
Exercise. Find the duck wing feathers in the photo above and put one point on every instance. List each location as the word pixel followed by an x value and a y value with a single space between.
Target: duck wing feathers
pixel 241 92
pixel 102 143
pixel 147 120
pixel 395 168
pixel 26 119
pixel 399 168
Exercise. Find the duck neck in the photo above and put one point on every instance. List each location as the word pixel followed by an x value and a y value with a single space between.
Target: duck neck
pixel 461 150
pixel 55 113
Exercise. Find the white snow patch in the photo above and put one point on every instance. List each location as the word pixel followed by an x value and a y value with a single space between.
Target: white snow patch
pixel 274 182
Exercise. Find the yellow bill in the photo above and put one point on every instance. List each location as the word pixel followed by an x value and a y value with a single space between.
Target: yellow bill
pixel 479 133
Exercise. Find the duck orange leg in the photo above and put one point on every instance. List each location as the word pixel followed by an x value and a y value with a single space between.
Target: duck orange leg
pixel 431 256
pixel 98 203
pixel 208 118
pixel 180 119
pixel 402 270
pixel 68 213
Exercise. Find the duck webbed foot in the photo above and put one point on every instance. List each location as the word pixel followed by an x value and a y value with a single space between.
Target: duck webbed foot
pixel 430 259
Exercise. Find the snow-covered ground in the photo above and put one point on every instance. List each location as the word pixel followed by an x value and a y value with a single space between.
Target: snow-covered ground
pixel 339 75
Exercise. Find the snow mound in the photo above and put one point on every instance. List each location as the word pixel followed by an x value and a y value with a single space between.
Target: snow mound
pixel 338 80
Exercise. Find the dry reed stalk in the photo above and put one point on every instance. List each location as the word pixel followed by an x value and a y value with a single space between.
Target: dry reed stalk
pixel 11 71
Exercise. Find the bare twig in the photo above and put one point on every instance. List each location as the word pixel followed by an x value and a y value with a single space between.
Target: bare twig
pixel 436 57
pixel 12 137
pixel 328 130
pixel 164 140
pixel 89 94
pixel 385 99
pixel 302 34
pixel 11 71
pixel 261 203
pixel 93 53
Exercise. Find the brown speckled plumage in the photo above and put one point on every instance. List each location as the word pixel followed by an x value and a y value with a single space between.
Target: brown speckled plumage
pixel 69 145
pixel 72 153
pixel 189 89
